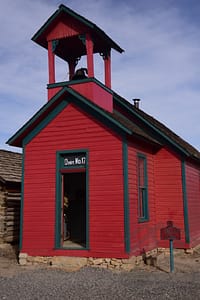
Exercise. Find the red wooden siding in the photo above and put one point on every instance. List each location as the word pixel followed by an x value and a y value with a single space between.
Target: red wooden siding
pixel 169 196
pixel 62 29
pixel 193 196
pixel 95 93
pixel 142 234
pixel 73 129
pixel 53 91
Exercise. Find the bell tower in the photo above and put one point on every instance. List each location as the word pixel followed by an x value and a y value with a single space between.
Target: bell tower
pixel 70 36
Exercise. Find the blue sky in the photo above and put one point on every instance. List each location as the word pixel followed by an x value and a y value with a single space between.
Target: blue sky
pixel 160 65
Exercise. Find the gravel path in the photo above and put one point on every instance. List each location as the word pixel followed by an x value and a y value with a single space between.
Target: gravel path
pixel 144 282
pixel 94 283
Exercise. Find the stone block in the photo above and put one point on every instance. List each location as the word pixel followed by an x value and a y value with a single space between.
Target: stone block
pixel 127 267
pixel 111 266
pixel 41 259
pixel 115 262
pixel 189 251
pixel 139 260
pixel 70 263
pixel 160 257
pixel 131 260
pixel 98 261
pixel 23 259
pixel 104 266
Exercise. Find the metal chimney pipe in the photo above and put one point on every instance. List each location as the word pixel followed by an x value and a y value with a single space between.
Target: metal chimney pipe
pixel 136 102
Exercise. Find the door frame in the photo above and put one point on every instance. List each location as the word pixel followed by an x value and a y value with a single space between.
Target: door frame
pixel 60 169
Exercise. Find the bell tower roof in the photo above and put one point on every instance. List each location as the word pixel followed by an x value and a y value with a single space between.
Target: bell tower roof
pixel 69 36
pixel 68 29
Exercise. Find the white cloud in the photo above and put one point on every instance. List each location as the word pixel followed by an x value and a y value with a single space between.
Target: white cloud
pixel 160 63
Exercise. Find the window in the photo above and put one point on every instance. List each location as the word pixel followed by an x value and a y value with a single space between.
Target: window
pixel 142 188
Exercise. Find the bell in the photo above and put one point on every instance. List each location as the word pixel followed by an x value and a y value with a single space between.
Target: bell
pixel 80 74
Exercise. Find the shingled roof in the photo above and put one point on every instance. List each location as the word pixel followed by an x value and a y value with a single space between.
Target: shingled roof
pixel 101 41
pixel 134 122
pixel 10 166
pixel 151 124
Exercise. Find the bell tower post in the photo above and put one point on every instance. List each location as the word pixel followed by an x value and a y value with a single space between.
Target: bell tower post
pixel 90 58
pixel 70 37
pixel 107 68
pixel 51 63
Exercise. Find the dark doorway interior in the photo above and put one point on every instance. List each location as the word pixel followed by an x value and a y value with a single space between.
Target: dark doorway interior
pixel 74 209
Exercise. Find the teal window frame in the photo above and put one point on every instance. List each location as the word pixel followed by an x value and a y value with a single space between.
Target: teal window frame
pixel 60 166
pixel 143 210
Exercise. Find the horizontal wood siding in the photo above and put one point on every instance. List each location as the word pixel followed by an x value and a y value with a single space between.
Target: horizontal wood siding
pixel 96 94
pixel 193 197
pixel 73 129
pixel 63 29
pixel 169 195
pixel 142 234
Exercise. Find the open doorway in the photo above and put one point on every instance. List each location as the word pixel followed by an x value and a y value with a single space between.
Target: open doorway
pixel 74 210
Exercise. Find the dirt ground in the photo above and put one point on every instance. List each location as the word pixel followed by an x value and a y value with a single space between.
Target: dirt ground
pixel 183 263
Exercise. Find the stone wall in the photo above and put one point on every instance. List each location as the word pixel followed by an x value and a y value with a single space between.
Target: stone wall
pixel 116 263
pixel 151 258
pixel 75 263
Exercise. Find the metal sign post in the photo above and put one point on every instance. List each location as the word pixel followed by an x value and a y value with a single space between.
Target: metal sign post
pixel 170 233
pixel 171 255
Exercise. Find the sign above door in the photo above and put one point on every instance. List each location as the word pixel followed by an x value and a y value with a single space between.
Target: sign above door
pixel 75 160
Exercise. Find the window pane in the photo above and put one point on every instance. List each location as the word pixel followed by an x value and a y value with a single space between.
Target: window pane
pixel 141 172
pixel 141 207
pixel 142 189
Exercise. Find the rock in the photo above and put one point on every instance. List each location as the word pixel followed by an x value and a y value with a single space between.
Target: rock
pixel 127 267
pixel 69 263
pixel 131 260
pixel 98 261
pixel 189 251
pixel 23 259
pixel 115 262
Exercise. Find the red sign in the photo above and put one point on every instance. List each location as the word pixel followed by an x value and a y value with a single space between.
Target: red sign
pixel 170 232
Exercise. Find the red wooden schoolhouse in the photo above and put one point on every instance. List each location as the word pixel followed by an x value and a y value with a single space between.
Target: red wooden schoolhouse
pixel 100 176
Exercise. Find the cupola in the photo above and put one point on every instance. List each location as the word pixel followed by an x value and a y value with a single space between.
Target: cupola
pixel 70 36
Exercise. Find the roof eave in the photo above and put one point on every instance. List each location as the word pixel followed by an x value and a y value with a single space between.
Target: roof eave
pixel 17 139
pixel 99 110
pixel 62 8
pixel 178 147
